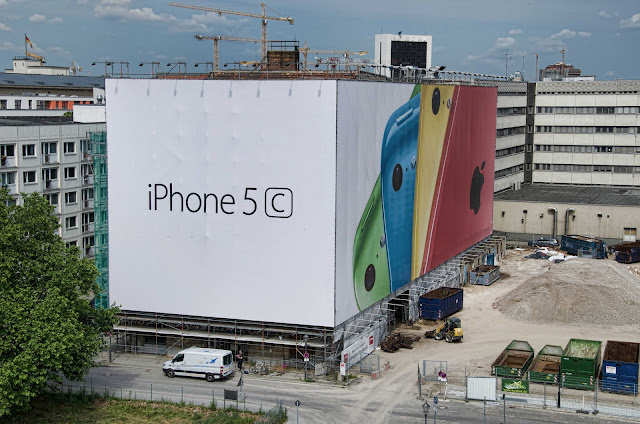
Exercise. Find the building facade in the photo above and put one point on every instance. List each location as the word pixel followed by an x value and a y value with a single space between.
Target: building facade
pixel 397 50
pixel 52 156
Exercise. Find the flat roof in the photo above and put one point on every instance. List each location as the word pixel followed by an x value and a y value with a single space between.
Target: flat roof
pixel 50 81
pixel 35 120
pixel 573 194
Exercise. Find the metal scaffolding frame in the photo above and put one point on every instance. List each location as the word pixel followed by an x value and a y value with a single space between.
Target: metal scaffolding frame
pixel 98 142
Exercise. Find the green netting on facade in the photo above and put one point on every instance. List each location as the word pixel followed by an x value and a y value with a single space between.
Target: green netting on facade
pixel 99 154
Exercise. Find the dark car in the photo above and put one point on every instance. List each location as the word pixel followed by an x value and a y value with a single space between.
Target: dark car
pixel 544 242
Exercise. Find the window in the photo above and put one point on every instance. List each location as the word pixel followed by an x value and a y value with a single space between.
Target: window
pixel 28 150
pixel 18 104
pixel 69 147
pixel 604 130
pixel 70 198
pixel 52 198
pixel 7 150
pixel 87 219
pixel 3 104
pixel 562 168
pixel 582 168
pixel 603 149
pixel 544 128
pixel 543 148
pixel 563 149
pixel 85 145
pixel 49 148
pixel 583 130
pixel 585 110
pixel 87 169
pixel 602 168
pixel 624 149
pixel 10 202
pixel 72 243
pixel 582 149
pixel 630 231
pixel 71 222
pixel 622 130
pixel 88 242
pixel 627 109
pixel 607 110
pixel 623 169
pixel 8 178
pixel 565 110
pixel 70 172
pixel 29 177
pixel 87 194
pixel 564 130
pixel 49 174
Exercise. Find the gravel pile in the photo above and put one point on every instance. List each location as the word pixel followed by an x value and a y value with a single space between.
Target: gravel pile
pixel 580 291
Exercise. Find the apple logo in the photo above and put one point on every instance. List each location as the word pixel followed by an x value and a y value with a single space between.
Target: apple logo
pixel 477 181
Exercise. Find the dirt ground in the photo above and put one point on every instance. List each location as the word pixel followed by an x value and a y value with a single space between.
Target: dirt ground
pixel 540 302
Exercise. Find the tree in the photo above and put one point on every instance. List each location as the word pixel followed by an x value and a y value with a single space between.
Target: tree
pixel 48 328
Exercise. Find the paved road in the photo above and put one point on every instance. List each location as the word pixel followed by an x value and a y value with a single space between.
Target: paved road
pixel 366 402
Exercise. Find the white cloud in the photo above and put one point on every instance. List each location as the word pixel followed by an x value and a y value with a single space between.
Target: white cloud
pixel 4 27
pixel 555 42
pixel 56 20
pixel 120 9
pixel 37 18
pixel 6 45
pixel 506 42
pixel 631 23
pixel 82 1
pixel 515 31
pixel 609 73
pixel 202 23
pixel 604 14
pixel 583 34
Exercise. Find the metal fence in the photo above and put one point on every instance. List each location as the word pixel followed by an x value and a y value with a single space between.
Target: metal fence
pixel 274 410
pixel 601 396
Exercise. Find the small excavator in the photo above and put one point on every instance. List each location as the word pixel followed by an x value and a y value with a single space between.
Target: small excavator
pixel 450 330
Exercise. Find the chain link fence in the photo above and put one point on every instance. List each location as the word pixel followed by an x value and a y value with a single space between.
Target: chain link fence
pixel 275 410
pixel 581 395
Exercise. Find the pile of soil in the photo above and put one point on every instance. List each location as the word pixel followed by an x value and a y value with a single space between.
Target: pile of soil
pixel 580 291
pixel 398 340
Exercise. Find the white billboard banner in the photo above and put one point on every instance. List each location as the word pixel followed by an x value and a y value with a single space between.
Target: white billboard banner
pixel 222 198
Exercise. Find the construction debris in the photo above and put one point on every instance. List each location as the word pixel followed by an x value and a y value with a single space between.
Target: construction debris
pixel 398 340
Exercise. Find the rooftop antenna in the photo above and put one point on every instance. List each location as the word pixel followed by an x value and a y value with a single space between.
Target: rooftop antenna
pixel 507 58
pixel 536 66
pixel 562 63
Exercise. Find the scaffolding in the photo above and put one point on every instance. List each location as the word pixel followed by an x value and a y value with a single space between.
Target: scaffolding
pixel 98 142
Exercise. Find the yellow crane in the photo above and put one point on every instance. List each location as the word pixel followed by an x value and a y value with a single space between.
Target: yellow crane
pixel 306 50
pixel 35 56
pixel 264 18
pixel 216 38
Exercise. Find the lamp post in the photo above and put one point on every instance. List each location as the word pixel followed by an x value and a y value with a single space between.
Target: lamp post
pixel 425 410
pixel 105 67
pixel 206 65
pixel 157 64
pixel 121 63
pixel 179 65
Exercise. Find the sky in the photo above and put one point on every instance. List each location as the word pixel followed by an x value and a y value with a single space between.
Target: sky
pixel 490 36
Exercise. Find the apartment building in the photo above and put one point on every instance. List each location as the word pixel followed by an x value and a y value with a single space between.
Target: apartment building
pixel 52 156
pixel 511 135
pixel 587 132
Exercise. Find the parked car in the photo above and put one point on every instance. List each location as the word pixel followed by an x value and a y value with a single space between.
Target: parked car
pixel 544 242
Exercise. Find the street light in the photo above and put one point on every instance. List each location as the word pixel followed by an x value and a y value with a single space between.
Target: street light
pixel 206 65
pixel 306 360
pixel 121 63
pixel 425 410
pixel 105 67
pixel 178 64
pixel 157 64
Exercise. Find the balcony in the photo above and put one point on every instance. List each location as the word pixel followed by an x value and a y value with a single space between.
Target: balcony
pixel 50 185
pixel 48 158
pixel 89 251
pixel 88 204
pixel 88 228
pixel 87 179
pixel 7 162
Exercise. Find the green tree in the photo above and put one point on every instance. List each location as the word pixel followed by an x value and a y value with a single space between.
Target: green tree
pixel 48 328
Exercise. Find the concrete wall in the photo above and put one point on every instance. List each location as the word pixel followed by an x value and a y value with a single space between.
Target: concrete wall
pixel 509 216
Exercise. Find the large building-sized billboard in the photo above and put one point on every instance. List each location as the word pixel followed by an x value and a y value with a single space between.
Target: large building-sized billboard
pixel 300 202
pixel 222 198
pixel 415 179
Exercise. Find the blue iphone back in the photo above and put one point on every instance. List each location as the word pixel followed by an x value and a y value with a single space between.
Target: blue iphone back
pixel 398 171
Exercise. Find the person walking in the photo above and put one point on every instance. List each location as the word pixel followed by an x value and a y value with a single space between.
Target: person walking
pixel 240 358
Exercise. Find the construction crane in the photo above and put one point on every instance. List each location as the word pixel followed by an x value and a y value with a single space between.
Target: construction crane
pixel 35 56
pixel 264 18
pixel 345 53
pixel 216 51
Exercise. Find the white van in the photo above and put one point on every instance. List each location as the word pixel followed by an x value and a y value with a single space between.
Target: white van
pixel 211 364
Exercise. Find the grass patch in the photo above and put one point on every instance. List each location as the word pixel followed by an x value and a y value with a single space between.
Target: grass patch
pixel 66 408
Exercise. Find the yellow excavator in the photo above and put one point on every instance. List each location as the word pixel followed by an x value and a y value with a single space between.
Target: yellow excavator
pixel 450 330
